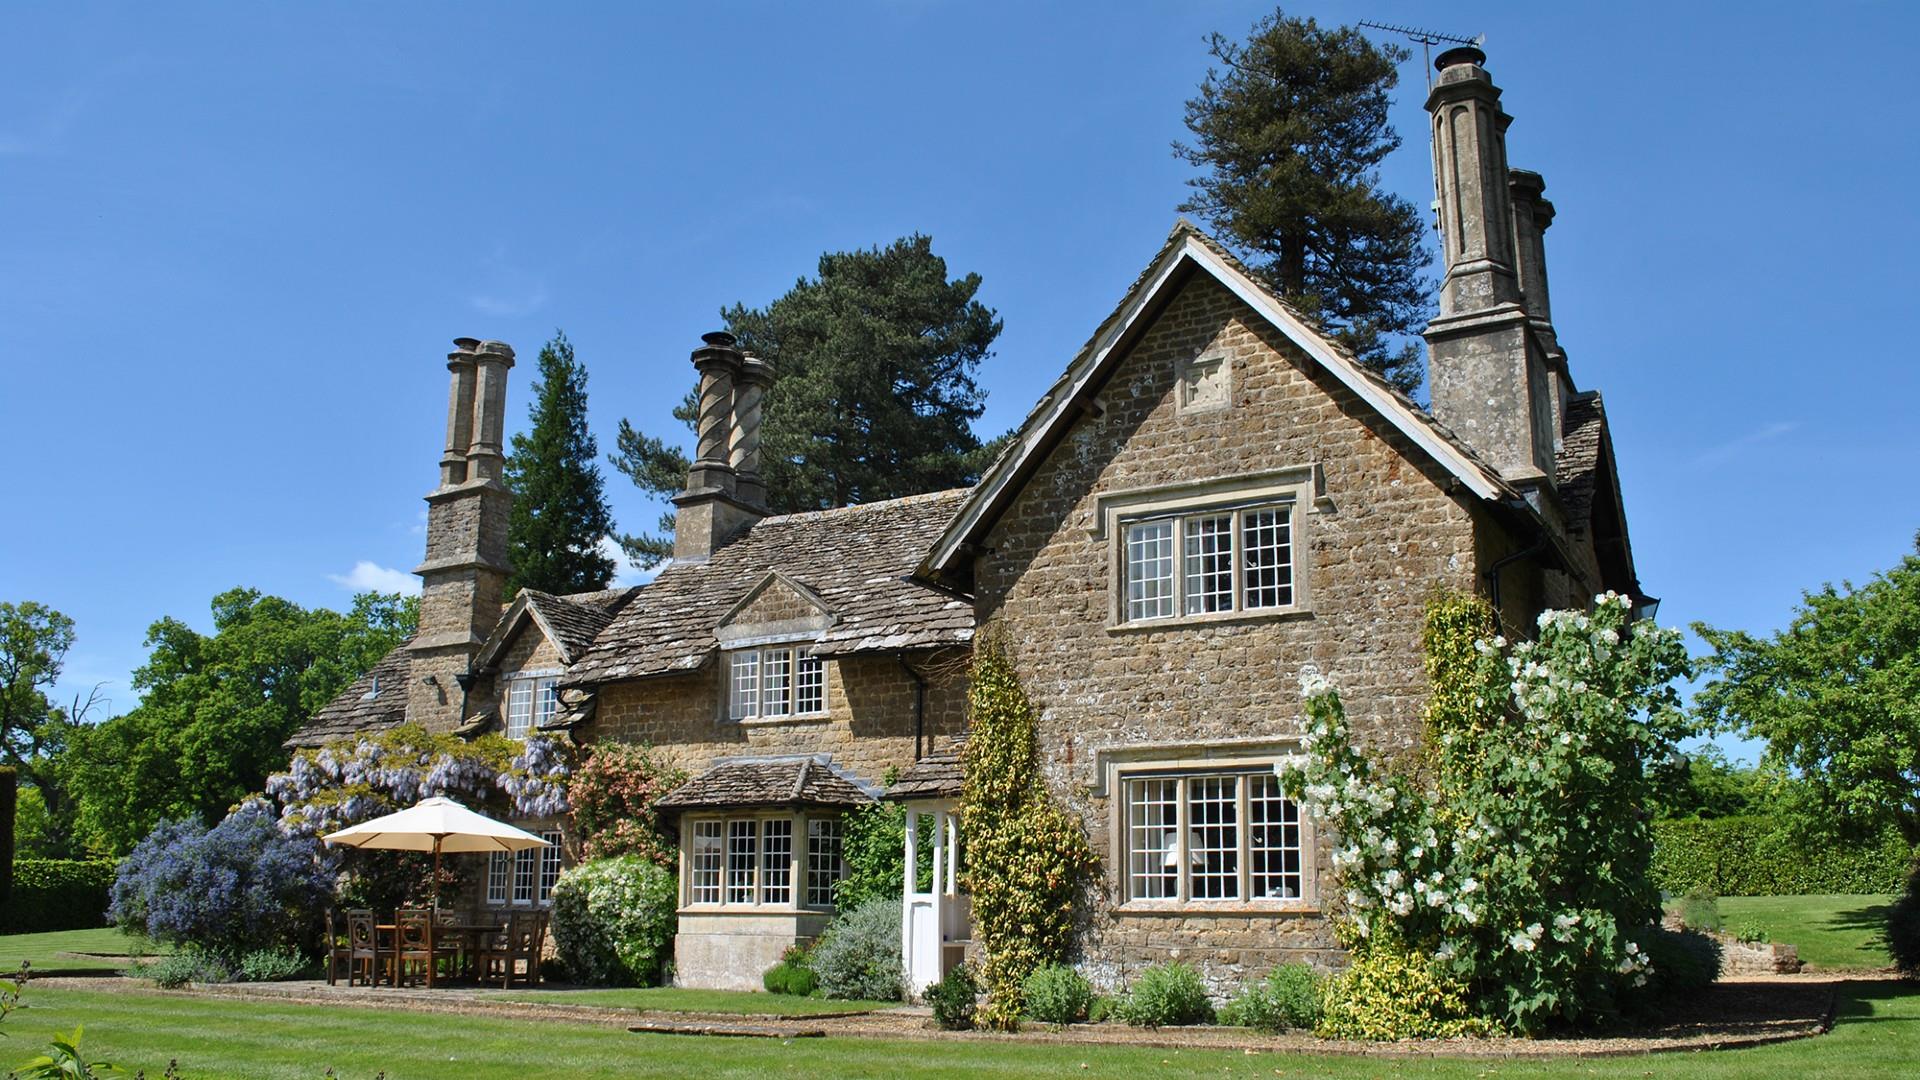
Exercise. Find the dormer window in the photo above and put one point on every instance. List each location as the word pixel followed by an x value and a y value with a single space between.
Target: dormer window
pixel 532 700
pixel 775 683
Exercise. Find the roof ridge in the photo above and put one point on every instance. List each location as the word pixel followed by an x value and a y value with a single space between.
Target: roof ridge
pixel 855 508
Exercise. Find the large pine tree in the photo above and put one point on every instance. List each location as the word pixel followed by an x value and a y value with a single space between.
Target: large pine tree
pixel 560 511
pixel 1290 130
pixel 874 394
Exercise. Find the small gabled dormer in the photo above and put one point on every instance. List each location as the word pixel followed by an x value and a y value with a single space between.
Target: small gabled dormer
pixel 770 672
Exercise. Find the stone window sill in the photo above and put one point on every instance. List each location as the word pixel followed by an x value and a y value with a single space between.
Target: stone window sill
pixel 775 721
pixel 1183 622
pixel 748 910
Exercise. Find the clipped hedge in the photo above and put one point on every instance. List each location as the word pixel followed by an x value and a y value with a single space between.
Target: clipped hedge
pixel 57 894
pixel 1754 856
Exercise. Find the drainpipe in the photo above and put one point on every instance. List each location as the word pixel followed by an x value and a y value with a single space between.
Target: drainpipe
pixel 919 702
pixel 1493 572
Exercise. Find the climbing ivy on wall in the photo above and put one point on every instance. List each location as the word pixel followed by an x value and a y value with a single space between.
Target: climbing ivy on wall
pixel 1028 861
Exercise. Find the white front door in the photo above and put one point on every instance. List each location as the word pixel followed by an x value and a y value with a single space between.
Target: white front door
pixel 934 923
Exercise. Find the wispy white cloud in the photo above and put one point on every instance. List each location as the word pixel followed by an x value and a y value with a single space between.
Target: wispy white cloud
pixel 626 572
pixel 368 575
pixel 1733 448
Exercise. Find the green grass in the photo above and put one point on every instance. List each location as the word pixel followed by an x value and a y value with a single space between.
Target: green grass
pixel 45 950
pixel 670 999
pixel 214 1038
pixel 1832 932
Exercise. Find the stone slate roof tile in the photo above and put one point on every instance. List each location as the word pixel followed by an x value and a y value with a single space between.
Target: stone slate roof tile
pixel 858 559
pixel 578 618
pixel 936 776
pixel 1578 462
pixel 375 701
pixel 749 782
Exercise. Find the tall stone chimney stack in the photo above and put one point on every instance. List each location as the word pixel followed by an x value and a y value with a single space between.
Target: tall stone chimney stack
pixel 756 375
pixel 1489 376
pixel 464 577
pixel 712 508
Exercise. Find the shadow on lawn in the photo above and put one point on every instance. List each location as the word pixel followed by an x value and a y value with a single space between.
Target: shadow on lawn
pixel 1868 1001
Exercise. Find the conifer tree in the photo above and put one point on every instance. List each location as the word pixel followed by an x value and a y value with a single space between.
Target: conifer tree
pixel 874 394
pixel 559 511
pixel 1291 129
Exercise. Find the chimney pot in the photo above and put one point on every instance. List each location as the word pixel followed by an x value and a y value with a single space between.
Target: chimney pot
pixel 1460 55
pixel 465 344
pixel 719 339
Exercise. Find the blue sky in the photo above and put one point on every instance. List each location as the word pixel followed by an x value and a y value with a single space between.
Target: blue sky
pixel 236 239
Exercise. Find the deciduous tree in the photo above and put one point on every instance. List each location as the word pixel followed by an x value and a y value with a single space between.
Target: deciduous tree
pixel 217 708
pixel 1836 696
pixel 874 395
pixel 1289 132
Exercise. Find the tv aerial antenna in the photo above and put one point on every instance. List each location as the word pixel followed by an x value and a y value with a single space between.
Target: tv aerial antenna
pixel 1427 39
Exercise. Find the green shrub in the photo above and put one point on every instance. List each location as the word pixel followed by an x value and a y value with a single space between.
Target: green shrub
pixel 1683 962
pixel 1289 997
pixel 1105 1007
pixel 1166 995
pixel 1700 910
pixel 1056 994
pixel 1756 855
pixel 1390 993
pixel 954 999
pixel 859 955
pixel 188 964
pixel 613 920
pixel 792 975
pixel 273 965
pixel 57 894
pixel 1753 934
pixel 1903 927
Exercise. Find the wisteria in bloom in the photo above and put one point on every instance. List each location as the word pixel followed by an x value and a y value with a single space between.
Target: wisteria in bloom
pixel 1518 854
pixel 364 777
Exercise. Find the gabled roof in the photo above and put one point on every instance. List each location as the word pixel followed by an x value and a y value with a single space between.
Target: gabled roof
pixel 1189 251
pixel 1589 486
pixel 810 780
pixel 858 561
pixel 571 622
pixel 373 701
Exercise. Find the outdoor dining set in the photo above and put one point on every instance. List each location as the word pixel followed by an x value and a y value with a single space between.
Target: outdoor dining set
pixel 428 946
pixel 433 944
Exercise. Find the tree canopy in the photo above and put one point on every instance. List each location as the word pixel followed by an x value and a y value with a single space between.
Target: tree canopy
pixel 34 640
pixel 1836 696
pixel 560 513
pixel 874 394
pixel 1290 130
pixel 217 708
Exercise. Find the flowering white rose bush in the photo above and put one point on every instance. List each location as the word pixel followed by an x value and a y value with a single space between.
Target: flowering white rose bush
pixel 1516 854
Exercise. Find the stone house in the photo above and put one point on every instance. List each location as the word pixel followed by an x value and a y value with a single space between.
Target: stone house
pixel 1210 500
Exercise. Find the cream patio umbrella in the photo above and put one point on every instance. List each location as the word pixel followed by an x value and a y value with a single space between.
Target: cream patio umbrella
pixel 435 825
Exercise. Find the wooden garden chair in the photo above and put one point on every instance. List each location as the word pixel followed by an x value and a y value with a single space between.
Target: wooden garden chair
pixel 521 942
pixel 364 953
pixel 413 944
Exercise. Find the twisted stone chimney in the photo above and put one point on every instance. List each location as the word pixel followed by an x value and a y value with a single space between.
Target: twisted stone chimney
pixel 1489 374
pixel 714 508
pixel 464 576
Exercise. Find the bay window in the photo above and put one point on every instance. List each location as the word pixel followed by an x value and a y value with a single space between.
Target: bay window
pixel 754 861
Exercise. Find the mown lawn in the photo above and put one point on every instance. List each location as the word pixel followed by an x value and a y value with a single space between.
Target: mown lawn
pixel 707 1001
pixel 1878 1036
pixel 45 950
pixel 1833 933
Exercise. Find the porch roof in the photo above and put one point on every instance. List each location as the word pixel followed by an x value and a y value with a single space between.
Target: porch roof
pixel 756 782
pixel 936 776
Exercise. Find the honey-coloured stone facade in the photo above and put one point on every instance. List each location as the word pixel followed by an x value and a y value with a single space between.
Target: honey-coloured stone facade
pixel 1387 530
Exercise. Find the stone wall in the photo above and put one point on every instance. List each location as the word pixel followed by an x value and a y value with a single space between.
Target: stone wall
pixel 1387 532
pixel 868 727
